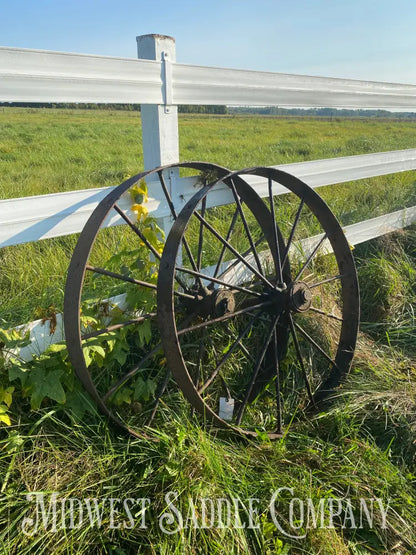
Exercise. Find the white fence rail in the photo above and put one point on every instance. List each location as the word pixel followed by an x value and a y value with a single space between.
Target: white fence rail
pixel 26 75
pixel 159 83
pixel 33 218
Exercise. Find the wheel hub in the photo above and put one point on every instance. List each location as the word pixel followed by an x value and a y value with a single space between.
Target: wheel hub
pixel 223 301
pixel 300 297
pixel 211 303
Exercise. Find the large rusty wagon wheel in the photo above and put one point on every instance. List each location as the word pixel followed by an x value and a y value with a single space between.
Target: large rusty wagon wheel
pixel 111 292
pixel 272 328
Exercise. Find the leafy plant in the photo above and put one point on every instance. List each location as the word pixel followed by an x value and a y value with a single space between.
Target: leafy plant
pixel 49 376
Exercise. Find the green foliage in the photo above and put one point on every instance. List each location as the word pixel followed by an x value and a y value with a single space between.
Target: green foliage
pixel 49 376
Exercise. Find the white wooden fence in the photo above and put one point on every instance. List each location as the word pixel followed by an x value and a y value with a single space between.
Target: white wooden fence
pixel 159 84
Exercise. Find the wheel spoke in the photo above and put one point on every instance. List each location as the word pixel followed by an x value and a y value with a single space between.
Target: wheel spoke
pixel 131 373
pixel 292 233
pixel 227 355
pixel 121 277
pixel 300 358
pixel 137 232
pixel 256 370
pixel 223 318
pixel 245 253
pixel 167 194
pixel 143 238
pixel 233 250
pixel 227 238
pixel 275 237
pixel 129 279
pixel 243 347
pixel 328 280
pixel 201 352
pixel 201 235
pixel 313 253
pixel 114 327
pixel 225 386
pixel 245 224
pixel 174 216
pixel 315 344
pixel 318 311
pixel 277 383
pixel 216 280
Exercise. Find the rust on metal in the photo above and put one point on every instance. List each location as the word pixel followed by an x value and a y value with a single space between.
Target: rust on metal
pixel 243 323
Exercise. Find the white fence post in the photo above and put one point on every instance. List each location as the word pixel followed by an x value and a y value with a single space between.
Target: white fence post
pixel 160 132
pixel 159 123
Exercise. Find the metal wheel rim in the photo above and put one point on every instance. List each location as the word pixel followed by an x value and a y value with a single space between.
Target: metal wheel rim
pixel 76 276
pixel 350 293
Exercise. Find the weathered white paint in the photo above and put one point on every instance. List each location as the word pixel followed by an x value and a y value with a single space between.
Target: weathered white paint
pixel 376 227
pixel 211 85
pixel 41 335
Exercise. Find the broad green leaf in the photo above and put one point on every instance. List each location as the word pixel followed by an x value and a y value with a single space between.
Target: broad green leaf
pixel 77 402
pixel 123 395
pixel 17 370
pixel 119 355
pixel 45 384
pixel 57 347
pixel 87 356
pixel 98 349
pixel 140 390
pixel 6 395
pixel 145 332
pixel 144 389
pixel 6 419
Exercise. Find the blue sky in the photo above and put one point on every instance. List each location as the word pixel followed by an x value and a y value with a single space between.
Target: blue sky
pixel 363 39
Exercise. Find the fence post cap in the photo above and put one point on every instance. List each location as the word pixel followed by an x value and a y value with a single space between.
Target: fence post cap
pixel 155 36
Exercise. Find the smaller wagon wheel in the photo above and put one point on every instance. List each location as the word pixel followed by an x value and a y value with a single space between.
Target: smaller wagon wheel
pixel 274 326
pixel 110 298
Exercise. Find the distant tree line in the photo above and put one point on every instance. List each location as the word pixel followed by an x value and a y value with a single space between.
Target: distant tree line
pixel 318 112
pixel 184 108
pixel 232 110
pixel 207 109
pixel 73 105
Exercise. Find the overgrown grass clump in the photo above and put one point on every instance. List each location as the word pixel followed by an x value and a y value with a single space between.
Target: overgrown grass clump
pixel 358 449
pixel 388 287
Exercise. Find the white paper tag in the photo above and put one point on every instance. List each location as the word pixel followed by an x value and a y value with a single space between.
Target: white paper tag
pixel 226 409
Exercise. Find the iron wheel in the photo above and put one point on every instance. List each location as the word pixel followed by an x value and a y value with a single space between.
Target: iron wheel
pixel 273 329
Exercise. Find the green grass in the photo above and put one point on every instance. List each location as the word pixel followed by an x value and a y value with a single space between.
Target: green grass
pixel 363 445
pixel 45 151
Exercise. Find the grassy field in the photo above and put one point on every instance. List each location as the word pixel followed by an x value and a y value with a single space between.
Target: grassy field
pixel 47 151
pixel 362 446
